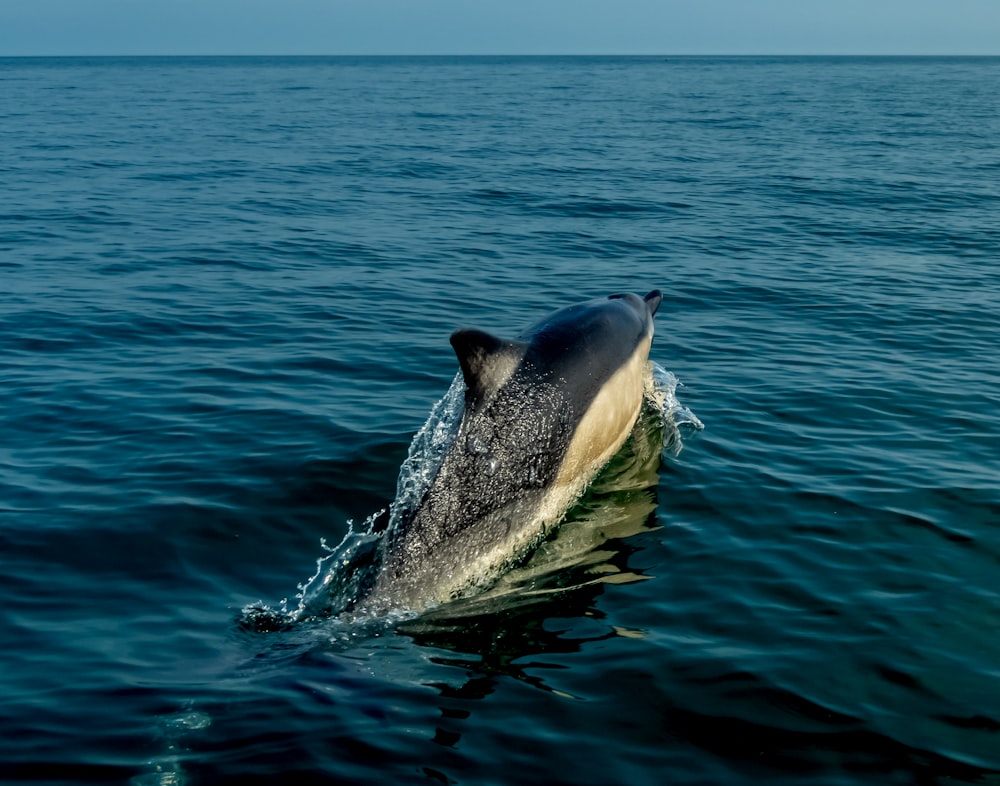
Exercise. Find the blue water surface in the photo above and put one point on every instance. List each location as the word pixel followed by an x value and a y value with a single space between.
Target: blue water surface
pixel 226 290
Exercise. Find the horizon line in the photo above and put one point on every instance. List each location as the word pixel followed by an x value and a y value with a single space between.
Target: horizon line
pixel 504 54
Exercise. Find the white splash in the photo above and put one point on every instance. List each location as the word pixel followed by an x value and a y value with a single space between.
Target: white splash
pixel 661 391
pixel 428 449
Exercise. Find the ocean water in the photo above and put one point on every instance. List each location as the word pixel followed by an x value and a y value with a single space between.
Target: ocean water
pixel 226 291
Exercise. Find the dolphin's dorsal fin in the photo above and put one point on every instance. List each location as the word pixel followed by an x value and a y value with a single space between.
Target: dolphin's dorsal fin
pixel 487 361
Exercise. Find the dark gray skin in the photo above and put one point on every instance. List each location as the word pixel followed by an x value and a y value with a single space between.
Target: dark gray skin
pixel 495 491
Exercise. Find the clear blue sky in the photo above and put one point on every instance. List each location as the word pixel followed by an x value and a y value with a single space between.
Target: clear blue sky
pixel 55 27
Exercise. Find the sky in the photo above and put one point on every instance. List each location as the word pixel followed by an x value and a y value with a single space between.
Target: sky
pixel 332 27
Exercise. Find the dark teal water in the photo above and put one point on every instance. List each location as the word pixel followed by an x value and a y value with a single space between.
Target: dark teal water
pixel 225 299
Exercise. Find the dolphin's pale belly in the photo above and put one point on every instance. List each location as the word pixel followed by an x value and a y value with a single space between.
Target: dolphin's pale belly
pixel 606 424
pixel 538 425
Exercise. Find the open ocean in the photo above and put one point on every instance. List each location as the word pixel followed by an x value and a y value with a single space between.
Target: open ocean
pixel 226 291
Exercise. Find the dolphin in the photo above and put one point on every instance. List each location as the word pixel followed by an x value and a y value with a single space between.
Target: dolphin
pixel 543 414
